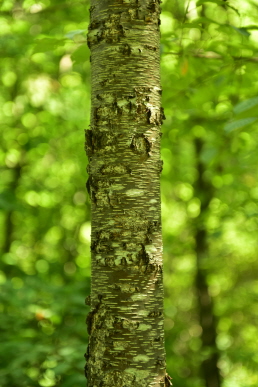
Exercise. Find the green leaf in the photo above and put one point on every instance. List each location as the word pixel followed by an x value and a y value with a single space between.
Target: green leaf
pixel 81 54
pixel 47 44
pixel 245 105
pixel 233 8
pixel 241 31
pixel 239 124
pixel 72 34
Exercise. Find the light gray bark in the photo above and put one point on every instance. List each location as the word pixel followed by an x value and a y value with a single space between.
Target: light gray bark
pixel 125 325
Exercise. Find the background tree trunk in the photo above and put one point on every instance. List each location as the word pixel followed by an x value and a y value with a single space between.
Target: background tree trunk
pixel 209 366
pixel 125 325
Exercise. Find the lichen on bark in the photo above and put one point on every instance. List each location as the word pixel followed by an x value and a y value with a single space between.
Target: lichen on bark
pixel 125 324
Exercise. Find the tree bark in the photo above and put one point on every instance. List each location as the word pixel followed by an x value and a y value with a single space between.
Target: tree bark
pixel 125 324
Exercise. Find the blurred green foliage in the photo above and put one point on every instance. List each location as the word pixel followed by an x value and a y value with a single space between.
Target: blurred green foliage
pixel 210 84
pixel 45 218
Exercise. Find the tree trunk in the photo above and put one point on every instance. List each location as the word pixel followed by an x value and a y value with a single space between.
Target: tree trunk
pixel 209 366
pixel 125 325
pixel 9 226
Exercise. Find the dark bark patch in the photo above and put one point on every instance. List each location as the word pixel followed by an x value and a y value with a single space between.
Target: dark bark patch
pixel 141 111
pixel 160 166
pixel 143 256
pixel 106 112
pixel 168 380
pixel 142 90
pixel 153 226
pixel 92 9
pixel 117 109
pixel 101 193
pixel 125 49
pixel 115 169
pixel 113 199
pixel 96 114
pixel 155 313
pixel 91 317
pixel 99 97
pixel 86 357
pixel 101 243
pixel 152 6
pixel 154 10
pixel 94 25
pixel 152 48
pixel 89 142
pixel 162 115
pixel 124 323
pixel 109 30
pixel 153 268
pixel 126 288
pixel 160 361
pixel 109 261
pixel 141 145
pixel 91 188
pixel 108 81
pixel 96 140
pixel 87 301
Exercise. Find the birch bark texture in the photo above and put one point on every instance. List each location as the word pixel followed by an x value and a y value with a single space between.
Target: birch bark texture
pixel 125 324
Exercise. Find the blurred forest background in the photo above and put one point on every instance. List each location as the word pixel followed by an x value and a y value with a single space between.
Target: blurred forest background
pixel 209 57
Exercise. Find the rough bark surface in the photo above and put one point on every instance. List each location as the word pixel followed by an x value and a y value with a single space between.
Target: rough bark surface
pixel 125 325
